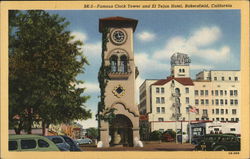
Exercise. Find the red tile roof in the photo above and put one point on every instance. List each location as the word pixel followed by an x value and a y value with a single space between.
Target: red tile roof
pixel 117 22
pixel 183 81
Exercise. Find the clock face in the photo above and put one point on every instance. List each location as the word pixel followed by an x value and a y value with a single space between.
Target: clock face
pixel 118 36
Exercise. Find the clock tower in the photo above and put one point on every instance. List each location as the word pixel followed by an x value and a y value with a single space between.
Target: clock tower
pixel 118 74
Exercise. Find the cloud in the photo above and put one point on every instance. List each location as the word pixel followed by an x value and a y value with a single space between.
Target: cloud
pixel 205 36
pixel 198 44
pixel 92 49
pixel 200 67
pixel 90 87
pixel 146 36
pixel 88 123
pixel 146 63
pixel 79 36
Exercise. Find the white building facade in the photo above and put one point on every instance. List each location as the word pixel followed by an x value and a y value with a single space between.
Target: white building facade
pixel 215 95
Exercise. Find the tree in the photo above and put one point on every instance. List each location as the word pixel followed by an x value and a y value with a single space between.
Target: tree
pixel 92 133
pixel 44 61
pixel 155 135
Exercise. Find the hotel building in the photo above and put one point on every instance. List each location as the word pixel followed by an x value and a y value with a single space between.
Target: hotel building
pixel 214 94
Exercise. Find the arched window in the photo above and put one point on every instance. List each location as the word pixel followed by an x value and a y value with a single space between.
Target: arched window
pixel 183 70
pixel 124 63
pixel 179 70
pixel 177 91
pixel 114 63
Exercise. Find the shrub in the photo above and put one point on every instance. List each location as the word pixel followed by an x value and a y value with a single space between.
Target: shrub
pixel 155 135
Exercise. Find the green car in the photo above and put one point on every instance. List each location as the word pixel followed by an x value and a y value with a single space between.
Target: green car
pixel 31 143
pixel 219 142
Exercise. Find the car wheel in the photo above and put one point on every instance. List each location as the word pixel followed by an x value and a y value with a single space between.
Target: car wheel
pixel 220 148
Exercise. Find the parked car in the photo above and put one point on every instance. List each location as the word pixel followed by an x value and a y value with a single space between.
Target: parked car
pixel 166 137
pixel 31 143
pixel 73 145
pixel 196 140
pixel 60 142
pixel 84 141
pixel 219 142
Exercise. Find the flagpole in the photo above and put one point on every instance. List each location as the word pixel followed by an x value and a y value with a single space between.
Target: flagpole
pixel 189 127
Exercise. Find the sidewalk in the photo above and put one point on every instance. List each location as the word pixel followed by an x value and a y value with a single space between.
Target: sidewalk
pixel 149 146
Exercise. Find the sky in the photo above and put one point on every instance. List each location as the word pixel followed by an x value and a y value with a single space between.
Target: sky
pixel 211 38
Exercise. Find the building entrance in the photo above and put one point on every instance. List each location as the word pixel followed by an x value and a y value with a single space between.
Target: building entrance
pixel 121 131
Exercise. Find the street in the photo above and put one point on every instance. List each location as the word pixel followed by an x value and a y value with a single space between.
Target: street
pixel 148 146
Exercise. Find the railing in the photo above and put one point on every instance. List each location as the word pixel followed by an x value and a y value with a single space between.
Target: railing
pixel 176 115
pixel 176 105
pixel 204 115
pixel 122 71
pixel 176 94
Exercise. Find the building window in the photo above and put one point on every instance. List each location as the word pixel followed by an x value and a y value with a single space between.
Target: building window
pixel 226 119
pixel 202 92
pixel 234 111
pixel 222 119
pixel 225 101
pixel 124 64
pixel 187 90
pixel 162 90
pixel 206 92
pixel 158 100
pixel 232 119
pixel 222 78
pixel 158 109
pixel 157 90
pixel 212 111
pixel 202 101
pixel 196 101
pixel 226 111
pixel 215 78
pixel 212 93
pixel 236 102
pixel 204 111
pixel 217 101
pixel 235 92
pixel 231 93
pixel 222 111
pixel 236 78
pixel 187 100
pixel 163 110
pixel 114 63
pixel 160 119
pixel 197 110
pixel 217 119
pixel 216 92
pixel 217 111
pixel 237 119
pixel 212 102
pixel 225 92
pixel 207 101
pixel 232 129
pixel 221 92
pixel 162 100
pixel 229 78
pixel 231 101
pixel 196 92
pixel 221 102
